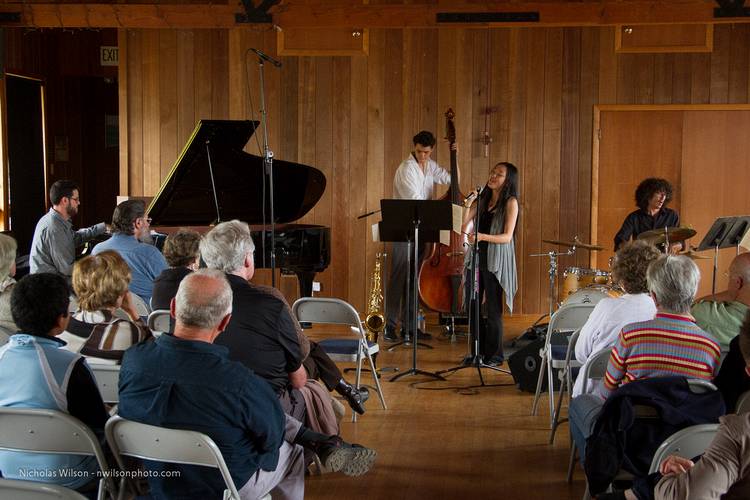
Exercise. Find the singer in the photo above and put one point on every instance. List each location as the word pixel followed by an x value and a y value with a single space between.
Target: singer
pixel 498 213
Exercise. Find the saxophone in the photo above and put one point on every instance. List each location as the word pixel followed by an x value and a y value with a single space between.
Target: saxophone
pixel 375 320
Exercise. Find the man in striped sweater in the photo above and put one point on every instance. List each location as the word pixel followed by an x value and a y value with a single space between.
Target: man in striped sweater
pixel 671 344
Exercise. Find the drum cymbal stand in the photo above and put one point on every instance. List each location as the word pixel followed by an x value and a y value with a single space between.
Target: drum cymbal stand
pixel 544 352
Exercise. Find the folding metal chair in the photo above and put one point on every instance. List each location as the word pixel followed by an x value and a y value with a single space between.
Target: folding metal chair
pixel 686 443
pixel 31 490
pixel 336 311
pixel 594 370
pixel 568 318
pixel 53 432
pixel 149 442
pixel 566 381
pixel 160 321
pixel 140 305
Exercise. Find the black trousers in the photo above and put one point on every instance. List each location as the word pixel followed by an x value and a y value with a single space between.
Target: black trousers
pixel 491 311
pixel 320 366
pixel 397 306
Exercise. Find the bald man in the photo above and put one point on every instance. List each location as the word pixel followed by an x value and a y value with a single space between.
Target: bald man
pixel 722 314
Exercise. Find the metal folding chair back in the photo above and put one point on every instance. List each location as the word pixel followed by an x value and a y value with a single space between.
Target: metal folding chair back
pixel 53 432
pixel 339 312
pixel 149 442
pixel 107 379
pixel 31 490
pixel 160 321
pixel 743 403
pixel 686 443
pixel 569 317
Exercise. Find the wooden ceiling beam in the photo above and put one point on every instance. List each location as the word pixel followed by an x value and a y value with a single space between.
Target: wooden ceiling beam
pixel 290 14
pixel 550 13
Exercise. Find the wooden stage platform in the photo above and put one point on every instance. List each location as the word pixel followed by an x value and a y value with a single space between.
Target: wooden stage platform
pixel 437 441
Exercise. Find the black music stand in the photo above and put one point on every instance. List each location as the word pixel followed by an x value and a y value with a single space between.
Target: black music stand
pixel 725 232
pixel 413 222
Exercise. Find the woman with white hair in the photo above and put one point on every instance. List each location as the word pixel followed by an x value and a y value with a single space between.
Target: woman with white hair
pixel 671 344
pixel 7 271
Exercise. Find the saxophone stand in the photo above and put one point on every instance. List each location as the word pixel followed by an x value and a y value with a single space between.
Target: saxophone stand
pixel 428 218
pixel 474 358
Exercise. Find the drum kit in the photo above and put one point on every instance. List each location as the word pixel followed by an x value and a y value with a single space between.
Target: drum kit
pixel 583 285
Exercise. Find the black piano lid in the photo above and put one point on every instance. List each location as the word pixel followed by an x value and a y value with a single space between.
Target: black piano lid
pixel 185 197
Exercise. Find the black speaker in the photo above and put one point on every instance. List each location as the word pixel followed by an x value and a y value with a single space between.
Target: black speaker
pixel 525 364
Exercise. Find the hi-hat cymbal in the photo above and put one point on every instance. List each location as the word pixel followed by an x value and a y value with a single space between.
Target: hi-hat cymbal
pixel 659 236
pixel 575 243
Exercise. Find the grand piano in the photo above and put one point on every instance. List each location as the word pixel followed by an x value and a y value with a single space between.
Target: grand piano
pixel 214 180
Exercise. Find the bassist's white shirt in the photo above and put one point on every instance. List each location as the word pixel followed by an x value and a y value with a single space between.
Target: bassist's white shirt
pixel 410 183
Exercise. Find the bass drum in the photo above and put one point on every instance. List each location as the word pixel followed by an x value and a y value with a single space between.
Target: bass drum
pixel 591 294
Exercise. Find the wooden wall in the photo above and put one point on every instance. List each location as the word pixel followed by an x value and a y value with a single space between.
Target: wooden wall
pixel 353 117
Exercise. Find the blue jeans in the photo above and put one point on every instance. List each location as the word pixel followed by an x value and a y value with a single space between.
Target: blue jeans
pixel 583 412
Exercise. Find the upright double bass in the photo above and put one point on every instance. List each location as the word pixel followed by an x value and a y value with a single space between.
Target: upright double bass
pixel 441 272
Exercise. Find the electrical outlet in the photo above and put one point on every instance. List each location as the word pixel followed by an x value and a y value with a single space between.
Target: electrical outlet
pixel 316 286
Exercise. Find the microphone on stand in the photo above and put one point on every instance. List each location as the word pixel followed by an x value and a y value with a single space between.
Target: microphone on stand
pixel 266 57
pixel 473 194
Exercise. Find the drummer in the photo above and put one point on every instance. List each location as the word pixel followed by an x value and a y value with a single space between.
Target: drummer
pixel 652 197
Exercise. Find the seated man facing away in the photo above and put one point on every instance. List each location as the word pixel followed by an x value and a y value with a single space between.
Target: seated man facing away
pixel 37 372
pixel 671 344
pixel 131 238
pixel 101 285
pixel 263 334
pixel 734 378
pixel 185 381
pixel 725 466
pixel 722 314
pixel 611 314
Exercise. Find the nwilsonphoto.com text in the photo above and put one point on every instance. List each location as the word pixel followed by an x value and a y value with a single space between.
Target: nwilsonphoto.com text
pixel 75 473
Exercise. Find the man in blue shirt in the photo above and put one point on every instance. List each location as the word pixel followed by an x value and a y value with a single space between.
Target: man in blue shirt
pixel 131 239
pixel 185 381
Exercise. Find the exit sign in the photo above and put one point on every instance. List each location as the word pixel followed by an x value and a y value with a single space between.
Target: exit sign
pixel 109 56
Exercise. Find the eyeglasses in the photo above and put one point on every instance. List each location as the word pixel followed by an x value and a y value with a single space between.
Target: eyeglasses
pixel 146 219
pixel 75 199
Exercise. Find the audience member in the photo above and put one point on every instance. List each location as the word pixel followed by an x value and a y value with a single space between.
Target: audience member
pixel 101 284
pixel 263 334
pixel 733 378
pixel 611 314
pixel 186 381
pixel 132 240
pixel 8 249
pixel 722 314
pixel 671 344
pixel 53 248
pixel 183 256
pixel 724 469
pixel 36 372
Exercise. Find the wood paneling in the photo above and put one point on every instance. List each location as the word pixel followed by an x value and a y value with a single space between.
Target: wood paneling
pixel 353 117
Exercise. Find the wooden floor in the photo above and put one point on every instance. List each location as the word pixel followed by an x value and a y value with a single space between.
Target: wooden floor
pixel 437 441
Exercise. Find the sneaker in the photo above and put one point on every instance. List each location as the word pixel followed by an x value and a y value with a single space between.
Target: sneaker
pixel 337 455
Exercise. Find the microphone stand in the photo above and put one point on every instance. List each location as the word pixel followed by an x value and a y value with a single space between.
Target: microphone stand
pixel 268 170
pixel 475 358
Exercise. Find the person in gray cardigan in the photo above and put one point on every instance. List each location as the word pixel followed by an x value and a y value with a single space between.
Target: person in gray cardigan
pixel 498 215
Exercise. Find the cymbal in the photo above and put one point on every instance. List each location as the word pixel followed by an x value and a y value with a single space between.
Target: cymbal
pixel 575 243
pixel 676 234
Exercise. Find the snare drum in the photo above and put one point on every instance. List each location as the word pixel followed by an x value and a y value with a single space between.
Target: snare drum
pixel 575 278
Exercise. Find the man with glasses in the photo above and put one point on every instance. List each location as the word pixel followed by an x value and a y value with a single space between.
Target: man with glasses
pixel 53 248
pixel 131 238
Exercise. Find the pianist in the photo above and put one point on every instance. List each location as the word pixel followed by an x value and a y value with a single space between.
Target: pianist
pixel 131 228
